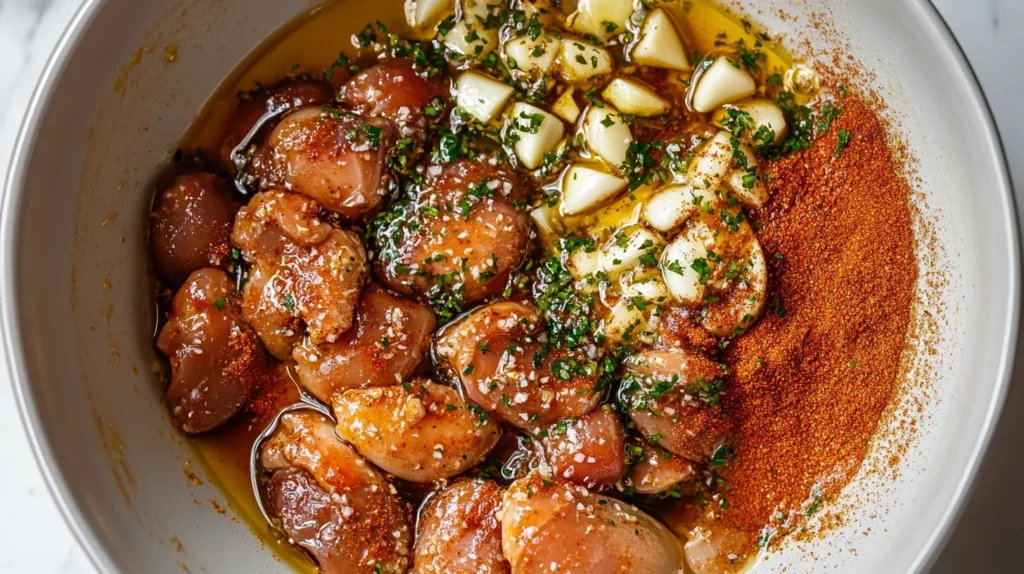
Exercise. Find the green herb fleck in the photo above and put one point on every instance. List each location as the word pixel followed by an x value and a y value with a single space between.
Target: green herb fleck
pixel 843 143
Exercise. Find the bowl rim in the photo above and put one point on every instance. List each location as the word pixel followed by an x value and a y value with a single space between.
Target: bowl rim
pixel 10 332
pixel 941 532
pixel 72 513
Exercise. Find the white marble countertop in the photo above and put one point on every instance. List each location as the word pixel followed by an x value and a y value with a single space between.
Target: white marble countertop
pixel 992 34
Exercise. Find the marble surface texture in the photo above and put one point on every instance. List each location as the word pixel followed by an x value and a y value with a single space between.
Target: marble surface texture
pixel 34 539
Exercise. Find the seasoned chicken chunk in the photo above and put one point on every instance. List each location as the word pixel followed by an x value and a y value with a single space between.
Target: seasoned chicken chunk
pixel 284 95
pixel 190 225
pixel 420 431
pixel 679 328
pixel 331 502
pixel 216 359
pixel 549 525
pixel 657 471
pixel 673 395
pixel 461 237
pixel 497 354
pixel 716 549
pixel 334 157
pixel 307 273
pixel 394 90
pixel 459 532
pixel 588 450
pixel 264 307
pixel 388 341
pixel 274 219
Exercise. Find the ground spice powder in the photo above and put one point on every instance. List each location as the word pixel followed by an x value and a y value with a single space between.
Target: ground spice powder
pixel 811 379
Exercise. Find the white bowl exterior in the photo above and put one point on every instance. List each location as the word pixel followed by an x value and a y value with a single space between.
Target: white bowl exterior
pixel 82 354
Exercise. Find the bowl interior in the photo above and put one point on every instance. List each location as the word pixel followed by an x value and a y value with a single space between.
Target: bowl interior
pixel 78 325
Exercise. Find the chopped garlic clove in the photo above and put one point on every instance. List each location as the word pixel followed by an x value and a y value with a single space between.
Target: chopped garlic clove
pixel 651 289
pixel 582 264
pixel 565 106
pixel 721 83
pixel 623 322
pixel 469 37
pixel 481 96
pixel 544 217
pixel 538 132
pixel 670 208
pixel 712 164
pixel 762 113
pixel 745 183
pixel 585 188
pixel 607 135
pixel 744 311
pixel 580 60
pixel 633 97
pixel 624 250
pixel 681 261
pixel 660 45
pixel 530 56
pixel 801 79
pixel 420 13
pixel 602 18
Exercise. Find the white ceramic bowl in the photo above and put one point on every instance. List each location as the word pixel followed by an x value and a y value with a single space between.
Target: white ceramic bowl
pixel 77 325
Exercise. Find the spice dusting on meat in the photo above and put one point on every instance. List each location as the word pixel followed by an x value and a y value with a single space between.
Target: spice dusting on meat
pixel 536 286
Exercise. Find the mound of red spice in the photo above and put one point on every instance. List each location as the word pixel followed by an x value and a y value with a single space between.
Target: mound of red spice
pixel 811 379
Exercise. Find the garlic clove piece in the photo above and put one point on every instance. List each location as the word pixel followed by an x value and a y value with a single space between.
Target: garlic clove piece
pixel 607 135
pixel 585 188
pixel 481 96
pixel 762 113
pixel 724 82
pixel 632 97
pixel 669 209
pixel 580 60
pixel 660 45
pixel 538 133
pixel 566 107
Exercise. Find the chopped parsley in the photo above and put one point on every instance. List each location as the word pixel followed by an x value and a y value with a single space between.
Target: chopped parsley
pixel 373 134
pixel 843 143
pixel 703 269
pixel 288 302
pixel 721 456
pixel 341 62
pixel 750 59
pixel 708 391
pixel 367 37
pixel 826 115
pixel 567 312
pixel 780 309
pixel 434 107
pixel 639 165
pixel 817 497
pixel 399 158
